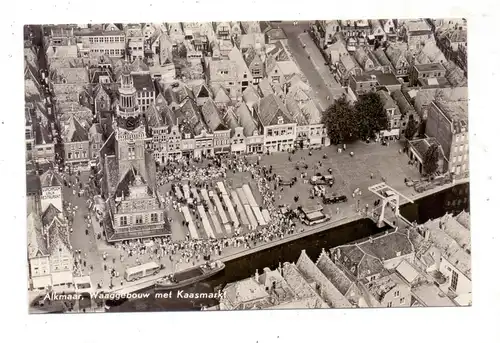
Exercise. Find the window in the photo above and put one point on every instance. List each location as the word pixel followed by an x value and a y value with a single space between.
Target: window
pixel 454 280
pixel 402 301
pixel 28 146
pixel 138 219
pixel 131 152
pixel 123 221
pixel 154 217
pixel 77 154
pixel 69 155
pixel 396 294
pixel 389 304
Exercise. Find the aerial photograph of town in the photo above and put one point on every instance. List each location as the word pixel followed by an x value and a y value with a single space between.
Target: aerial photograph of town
pixel 236 165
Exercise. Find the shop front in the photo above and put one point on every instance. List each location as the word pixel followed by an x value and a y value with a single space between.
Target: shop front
pixel 41 282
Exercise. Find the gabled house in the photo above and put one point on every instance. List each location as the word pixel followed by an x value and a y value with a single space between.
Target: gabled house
pixel 215 124
pixel 279 128
pixel 390 28
pixel 243 74
pixel 237 136
pixel 76 143
pixel 202 93
pixel 378 31
pixel 96 140
pixel 252 130
pixel 250 27
pixel 251 96
pixel 397 124
pixel 225 74
pixel 222 30
pixel 255 64
pixel 347 67
pixel 364 60
pixel 221 98
pixel 396 53
pixel 176 33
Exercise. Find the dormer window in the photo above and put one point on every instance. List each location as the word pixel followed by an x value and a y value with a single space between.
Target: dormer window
pixel 280 120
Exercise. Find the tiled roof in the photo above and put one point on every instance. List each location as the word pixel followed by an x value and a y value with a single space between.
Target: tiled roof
pixel 33 184
pixel 250 26
pixel 288 67
pixel 62 52
pixel 348 63
pixel 191 116
pixel 70 76
pixel 387 101
pixel 404 105
pixel 456 231
pixel 388 246
pixel 75 131
pixel 221 96
pixel 336 276
pixel 50 213
pixel 159 113
pixel 212 116
pixel 295 110
pixel 450 248
pixel 246 120
pixel 58 234
pixel 250 95
pixel 201 91
pixel 395 51
pixel 244 291
pixel 138 66
pixel 275 34
pixel 143 82
pixel 36 241
pixel 380 287
pixel 112 172
pixel 296 281
pixel 271 109
pixel 42 134
pixel 464 219
pixel 230 118
pixel 218 69
pixel 421 146
pixel 50 179
pixel 236 56
pixel 265 87
pixel 252 40
pixel 329 292
pixel 381 57
pixel 416 25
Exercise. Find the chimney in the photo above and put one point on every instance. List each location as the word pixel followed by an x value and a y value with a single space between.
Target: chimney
pixel 256 275
pixel 427 234
pixel 370 239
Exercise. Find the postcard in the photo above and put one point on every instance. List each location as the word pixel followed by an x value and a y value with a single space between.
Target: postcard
pixel 212 166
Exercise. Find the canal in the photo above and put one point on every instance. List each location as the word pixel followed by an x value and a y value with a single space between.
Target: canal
pixel 452 200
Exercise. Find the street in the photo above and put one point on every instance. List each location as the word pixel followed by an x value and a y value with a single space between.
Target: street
pixel 325 93
pixel 79 240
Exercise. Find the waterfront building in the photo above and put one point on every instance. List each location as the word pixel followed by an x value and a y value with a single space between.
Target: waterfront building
pixel 129 173
pixel 443 250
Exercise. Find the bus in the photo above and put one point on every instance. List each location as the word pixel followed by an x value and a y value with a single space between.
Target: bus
pixel 143 270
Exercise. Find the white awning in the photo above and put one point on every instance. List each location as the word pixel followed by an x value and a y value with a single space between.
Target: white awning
pixel 390 133
pixel 41 281
pixel 315 140
pixel 62 278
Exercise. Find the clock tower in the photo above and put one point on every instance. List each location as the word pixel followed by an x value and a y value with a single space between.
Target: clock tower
pixel 130 128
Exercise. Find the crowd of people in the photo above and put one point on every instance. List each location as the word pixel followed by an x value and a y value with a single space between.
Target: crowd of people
pixel 190 251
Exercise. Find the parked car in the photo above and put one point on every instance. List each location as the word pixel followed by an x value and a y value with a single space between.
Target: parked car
pixel 333 199
pixel 322 180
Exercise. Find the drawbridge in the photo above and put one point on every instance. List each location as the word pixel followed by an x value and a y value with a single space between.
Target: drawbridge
pixel 387 211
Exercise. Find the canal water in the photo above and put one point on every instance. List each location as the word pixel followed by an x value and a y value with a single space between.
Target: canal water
pixel 452 200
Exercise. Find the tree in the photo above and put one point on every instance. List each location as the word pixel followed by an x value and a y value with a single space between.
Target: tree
pixel 411 128
pixel 431 158
pixel 371 115
pixel 340 121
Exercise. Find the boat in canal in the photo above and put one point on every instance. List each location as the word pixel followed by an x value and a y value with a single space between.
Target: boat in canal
pixel 189 276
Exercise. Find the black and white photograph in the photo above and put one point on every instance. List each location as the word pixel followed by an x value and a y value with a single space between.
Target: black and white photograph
pixel 247 165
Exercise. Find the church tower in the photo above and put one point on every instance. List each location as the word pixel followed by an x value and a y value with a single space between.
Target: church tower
pixel 130 128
